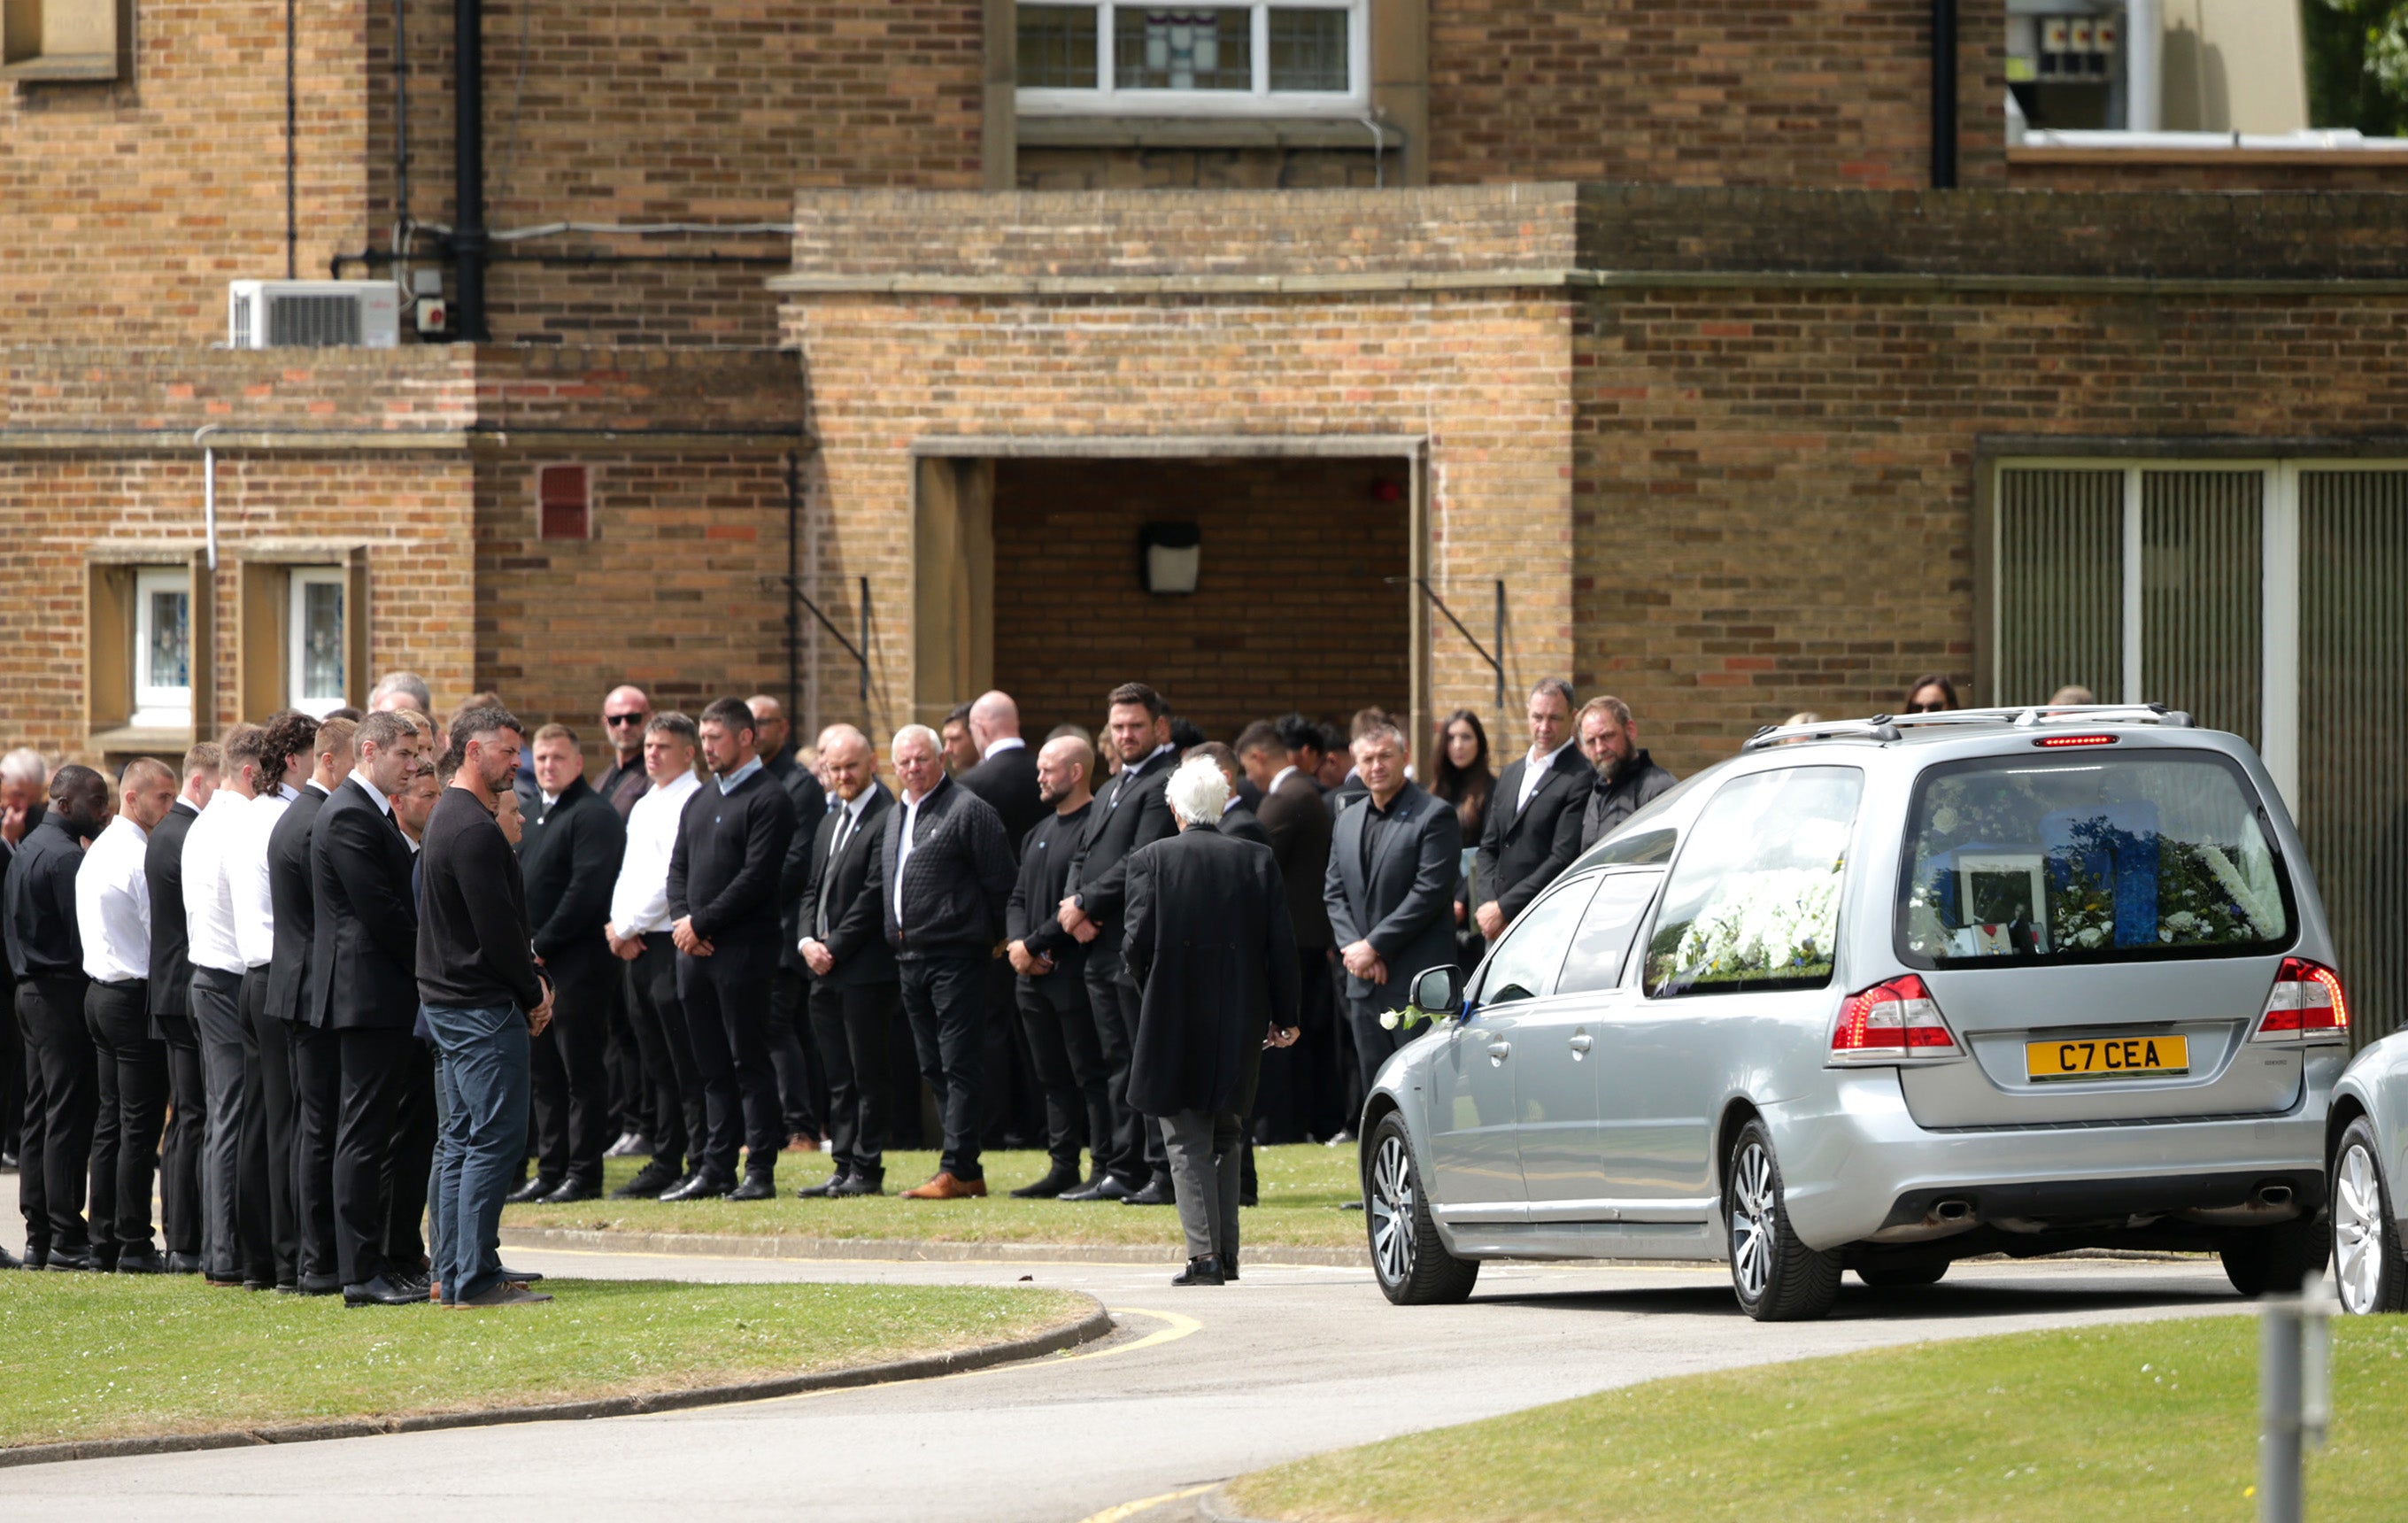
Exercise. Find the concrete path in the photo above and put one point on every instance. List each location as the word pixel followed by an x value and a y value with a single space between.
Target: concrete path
pixel 1198 1386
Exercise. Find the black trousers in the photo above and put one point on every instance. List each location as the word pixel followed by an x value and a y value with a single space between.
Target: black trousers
pixel 726 1001
pixel 623 1059
pixel 131 1067
pixel 317 1116
pixel 1069 1064
pixel 945 998
pixel 851 1028
pixel 62 1101
pixel 1014 1115
pixel 802 1077
pixel 411 1163
pixel 1301 1092
pixel 374 1065
pixel 1135 1152
pixel 12 1065
pixel 188 1129
pixel 1372 1044
pixel 269 1058
pixel 569 1079
pixel 674 1114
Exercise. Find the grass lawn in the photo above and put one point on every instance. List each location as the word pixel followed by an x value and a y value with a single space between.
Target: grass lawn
pixel 1303 1186
pixel 2155 1420
pixel 94 1356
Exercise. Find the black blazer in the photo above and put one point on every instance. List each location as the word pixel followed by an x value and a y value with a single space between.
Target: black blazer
pixel 1214 961
pixel 1239 824
pixel 1521 853
pixel 1008 782
pixel 856 937
pixel 171 963
pixel 1129 812
pixel 293 896
pixel 568 858
pixel 1298 822
pixel 1405 907
pixel 363 960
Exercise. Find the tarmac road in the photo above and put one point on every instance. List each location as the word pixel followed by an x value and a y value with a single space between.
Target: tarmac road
pixel 1196 1386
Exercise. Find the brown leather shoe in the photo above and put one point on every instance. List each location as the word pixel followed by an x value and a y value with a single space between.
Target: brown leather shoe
pixel 946 1187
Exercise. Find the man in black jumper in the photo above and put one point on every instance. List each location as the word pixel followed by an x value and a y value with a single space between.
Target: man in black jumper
pixel 37 906
pixel 1129 813
pixel 570 856
pixel 171 992
pixel 1005 776
pixel 1052 968
pixel 854 991
pixel 364 987
pixel 802 1081
pixel 942 875
pixel 723 877
pixel 317 1055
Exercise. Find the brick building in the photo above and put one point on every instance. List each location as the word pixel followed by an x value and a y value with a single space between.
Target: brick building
pixel 1755 353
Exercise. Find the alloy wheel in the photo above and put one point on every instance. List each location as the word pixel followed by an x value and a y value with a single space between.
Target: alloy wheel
pixel 1750 1220
pixel 1392 1211
pixel 2358 1231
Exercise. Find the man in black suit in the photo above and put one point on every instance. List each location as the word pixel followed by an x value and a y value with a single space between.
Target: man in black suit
pixel 317 1052
pixel 1052 986
pixel 171 992
pixel 1006 777
pixel 45 953
pixel 1129 812
pixel 1532 830
pixel 1390 889
pixel 364 987
pixel 626 714
pixel 1209 944
pixel 855 997
pixel 942 876
pixel 568 859
pixel 1006 774
pixel 802 1079
pixel 1302 1092
pixel 725 874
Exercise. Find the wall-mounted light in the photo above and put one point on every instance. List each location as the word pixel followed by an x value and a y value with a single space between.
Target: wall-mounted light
pixel 1169 558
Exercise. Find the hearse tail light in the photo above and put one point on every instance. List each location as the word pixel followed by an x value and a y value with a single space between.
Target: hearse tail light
pixel 1892 1020
pixel 2306 1005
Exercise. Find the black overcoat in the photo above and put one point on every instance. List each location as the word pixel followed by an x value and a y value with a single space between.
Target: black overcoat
pixel 1208 944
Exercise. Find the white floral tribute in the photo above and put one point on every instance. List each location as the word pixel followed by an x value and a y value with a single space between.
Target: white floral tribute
pixel 1776 924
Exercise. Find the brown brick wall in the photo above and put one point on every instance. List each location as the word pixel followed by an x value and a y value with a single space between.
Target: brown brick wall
pixel 1822 92
pixel 1293 608
pixel 2042 169
pixel 1196 168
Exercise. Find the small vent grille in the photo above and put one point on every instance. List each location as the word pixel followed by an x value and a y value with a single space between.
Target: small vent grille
pixel 242 337
pixel 313 321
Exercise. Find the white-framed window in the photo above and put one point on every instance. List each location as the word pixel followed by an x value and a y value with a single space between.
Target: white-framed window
pixel 163 648
pixel 317 630
pixel 1262 58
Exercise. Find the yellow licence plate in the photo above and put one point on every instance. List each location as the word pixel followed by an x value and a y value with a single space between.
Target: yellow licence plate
pixel 2105 1057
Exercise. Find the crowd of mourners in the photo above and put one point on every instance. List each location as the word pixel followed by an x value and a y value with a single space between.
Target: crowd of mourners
pixel 348 984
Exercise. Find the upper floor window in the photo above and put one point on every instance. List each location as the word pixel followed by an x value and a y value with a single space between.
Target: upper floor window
pixel 1287 57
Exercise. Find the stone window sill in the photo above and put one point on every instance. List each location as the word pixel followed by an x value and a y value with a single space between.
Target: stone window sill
pixel 1202 132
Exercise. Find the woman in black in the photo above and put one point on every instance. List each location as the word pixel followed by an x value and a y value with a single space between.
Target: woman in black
pixel 1465 779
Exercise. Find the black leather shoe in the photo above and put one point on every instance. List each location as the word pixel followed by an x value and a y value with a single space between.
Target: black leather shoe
pixel 522 1276
pixel 1229 1265
pixel 755 1187
pixel 79 1260
pixel 823 1189
pixel 381 1292
pixel 142 1261
pixel 650 1180
pixel 1204 1270
pixel 35 1259
pixel 1114 1188
pixel 701 1185
pixel 534 1189
pixel 320 1284
pixel 1051 1187
pixel 572 1192
pixel 854 1184
pixel 9 1261
pixel 1154 1194
pixel 190 1264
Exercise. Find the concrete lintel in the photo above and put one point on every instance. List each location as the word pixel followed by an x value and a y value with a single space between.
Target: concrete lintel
pixel 2115 448
pixel 1149 285
pixel 1166 446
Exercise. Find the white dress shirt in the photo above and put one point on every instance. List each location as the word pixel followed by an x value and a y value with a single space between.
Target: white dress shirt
pixel 639 901
pixel 113 904
pixel 375 794
pixel 246 858
pixel 1285 774
pixel 1535 774
pixel 903 852
pixel 1003 743
pixel 208 896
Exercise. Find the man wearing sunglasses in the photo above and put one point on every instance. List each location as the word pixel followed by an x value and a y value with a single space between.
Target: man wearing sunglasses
pixel 625 715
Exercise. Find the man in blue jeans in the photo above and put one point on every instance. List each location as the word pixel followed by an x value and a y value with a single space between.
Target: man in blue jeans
pixel 482 999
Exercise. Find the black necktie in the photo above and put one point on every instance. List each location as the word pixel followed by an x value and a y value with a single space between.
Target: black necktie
pixel 836 850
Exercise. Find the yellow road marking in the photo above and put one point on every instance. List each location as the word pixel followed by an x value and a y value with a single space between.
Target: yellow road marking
pixel 1180 1327
pixel 1130 1509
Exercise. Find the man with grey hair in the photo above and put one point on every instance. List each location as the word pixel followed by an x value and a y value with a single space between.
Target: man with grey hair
pixel 1532 830
pixel 24 780
pixel 401 690
pixel 1393 859
pixel 1628 777
pixel 1209 945
pixel 853 994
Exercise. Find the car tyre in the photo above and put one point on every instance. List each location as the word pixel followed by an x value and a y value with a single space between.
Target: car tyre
pixel 2275 1260
pixel 1412 1265
pixel 2366 1267
pixel 1776 1277
pixel 1901 1270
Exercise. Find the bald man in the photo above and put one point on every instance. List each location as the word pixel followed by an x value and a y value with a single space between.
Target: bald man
pixel 624 713
pixel 1005 776
pixel 802 1077
pixel 1051 994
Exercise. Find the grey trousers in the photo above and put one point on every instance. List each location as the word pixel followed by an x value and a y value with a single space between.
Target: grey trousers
pixel 1205 1160
pixel 216 1020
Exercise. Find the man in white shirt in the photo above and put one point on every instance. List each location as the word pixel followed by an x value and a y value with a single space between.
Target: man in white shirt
pixel 266 1178
pixel 113 918
pixel 229 1254
pixel 639 934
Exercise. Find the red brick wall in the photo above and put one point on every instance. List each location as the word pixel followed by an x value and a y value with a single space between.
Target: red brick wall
pixel 2108 169
pixel 1261 635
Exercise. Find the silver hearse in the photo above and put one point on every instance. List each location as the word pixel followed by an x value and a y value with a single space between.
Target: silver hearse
pixel 1883 994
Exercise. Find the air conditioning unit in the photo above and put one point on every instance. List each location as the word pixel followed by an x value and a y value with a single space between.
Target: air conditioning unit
pixel 313 314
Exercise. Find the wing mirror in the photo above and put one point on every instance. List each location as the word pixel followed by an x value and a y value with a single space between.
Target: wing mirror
pixel 1439 991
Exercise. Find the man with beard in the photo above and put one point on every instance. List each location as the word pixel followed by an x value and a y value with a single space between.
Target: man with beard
pixel 1628 777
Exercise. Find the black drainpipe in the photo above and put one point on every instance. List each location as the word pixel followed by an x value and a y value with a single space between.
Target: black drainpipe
pixel 292 149
pixel 468 170
pixel 793 589
pixel 1943 95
